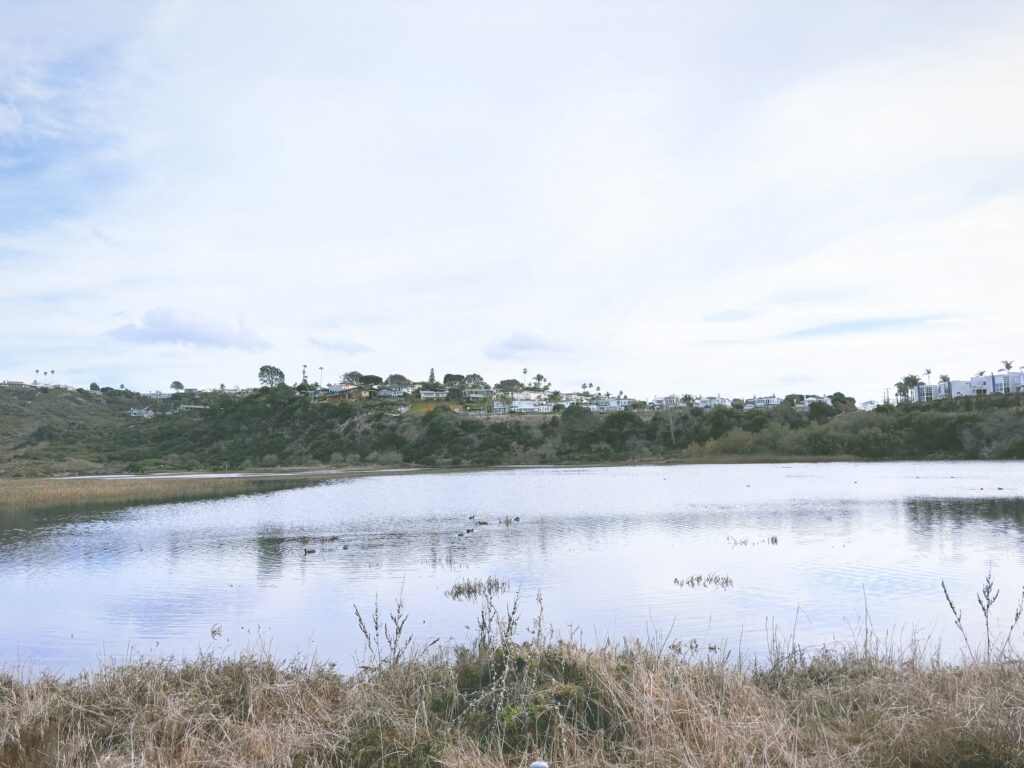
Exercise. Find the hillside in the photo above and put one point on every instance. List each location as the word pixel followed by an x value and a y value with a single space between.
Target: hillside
pixel 53 431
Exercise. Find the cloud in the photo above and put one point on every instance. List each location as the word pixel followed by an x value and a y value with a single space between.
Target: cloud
pixel 732 315
pixel 10 119
pixel 176 326
pixel 520 343
pixel 864 325
pixel 346 346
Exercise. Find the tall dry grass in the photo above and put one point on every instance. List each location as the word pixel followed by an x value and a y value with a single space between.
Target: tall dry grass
pixel 503 703
pixel 34 495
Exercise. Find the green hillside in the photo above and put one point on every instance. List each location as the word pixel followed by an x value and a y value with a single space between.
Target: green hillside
pixel 54 431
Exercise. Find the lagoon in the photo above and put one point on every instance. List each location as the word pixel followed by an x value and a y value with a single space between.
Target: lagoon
pixel 816 552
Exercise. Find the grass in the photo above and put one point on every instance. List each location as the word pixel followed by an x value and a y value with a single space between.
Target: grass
pixel 707 581
pixel 50 494
pixel 470 589
pixel 504 703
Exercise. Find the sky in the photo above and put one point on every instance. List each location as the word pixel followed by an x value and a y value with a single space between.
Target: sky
pixel 655 197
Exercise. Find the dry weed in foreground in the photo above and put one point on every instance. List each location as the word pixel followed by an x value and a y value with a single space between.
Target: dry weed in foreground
pixel 504 703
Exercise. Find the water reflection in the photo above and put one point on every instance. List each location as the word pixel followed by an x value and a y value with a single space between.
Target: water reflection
pixel 604 546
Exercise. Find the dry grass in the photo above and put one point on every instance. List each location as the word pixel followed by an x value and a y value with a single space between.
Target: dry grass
pixel 33 495
pixel 501 703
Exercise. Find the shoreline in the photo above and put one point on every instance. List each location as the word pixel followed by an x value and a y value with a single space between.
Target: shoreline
pixel 369 470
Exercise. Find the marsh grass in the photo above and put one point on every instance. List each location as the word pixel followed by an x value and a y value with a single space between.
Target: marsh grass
pixel 56 494
pixel 469 589
pixel 706 580
pixel 501 702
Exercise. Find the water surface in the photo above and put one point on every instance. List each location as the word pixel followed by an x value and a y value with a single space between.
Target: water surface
pixel 603 546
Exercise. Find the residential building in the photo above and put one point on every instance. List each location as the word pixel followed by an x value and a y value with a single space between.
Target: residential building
pixel 393 392
pixel 712 402
pixel 610 404
pixel 760 403
pixel 809 400
pixel 143 413
pixel 667 401
pixel 997 383
pixel 433 394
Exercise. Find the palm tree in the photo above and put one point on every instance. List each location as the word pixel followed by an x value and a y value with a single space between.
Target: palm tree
pixel 928 373
pixel 902 391
pixel 912 382
pixel 37 377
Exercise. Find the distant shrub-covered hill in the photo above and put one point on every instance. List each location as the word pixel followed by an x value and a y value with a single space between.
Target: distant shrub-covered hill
pixel 55 431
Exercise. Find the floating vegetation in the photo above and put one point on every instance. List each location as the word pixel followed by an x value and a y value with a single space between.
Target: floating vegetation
pixel 506 520
pixel 470 589
pixel 746 542
pixel 707 581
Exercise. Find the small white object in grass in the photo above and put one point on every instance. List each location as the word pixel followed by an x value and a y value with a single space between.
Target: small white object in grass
pixel 539 764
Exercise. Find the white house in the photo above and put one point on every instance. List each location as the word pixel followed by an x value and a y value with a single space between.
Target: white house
pixel 997 383
pixel 809 400
pixel 712 402
pixel 393 392
pixel 610 404
pixel 433 394
pixel 762 402
pixel 943 390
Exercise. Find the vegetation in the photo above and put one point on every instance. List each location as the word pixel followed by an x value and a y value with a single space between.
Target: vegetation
pixel 34 495
pixel 470 589
pixel 53 431
pixel 500 702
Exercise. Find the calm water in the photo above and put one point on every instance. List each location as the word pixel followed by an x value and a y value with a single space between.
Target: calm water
pixel 603 545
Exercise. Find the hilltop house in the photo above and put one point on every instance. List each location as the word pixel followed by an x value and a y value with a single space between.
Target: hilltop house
pixel 1004 383
pixel 712 402
pixel 810 400
pixel 758 403
pixel 394 391
pixel 433 394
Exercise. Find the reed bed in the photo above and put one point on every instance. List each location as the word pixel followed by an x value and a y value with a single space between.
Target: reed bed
pixel 499 702
pixel 47 494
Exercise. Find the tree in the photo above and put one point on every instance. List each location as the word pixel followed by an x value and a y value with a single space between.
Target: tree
pixel 397 380
pixel 177 386
pixel 928 373
pixel 509 385
pixel 94 387
pixel 271 376
pixel 369 380
pixel 911 382
pixel 454 379
pixel 475 381
pixel 843 402
pixel 353 377
pixel 431 379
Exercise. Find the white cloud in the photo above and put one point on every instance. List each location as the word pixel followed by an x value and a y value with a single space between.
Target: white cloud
pixel 603 188
pixel 521 345
pixel 176 326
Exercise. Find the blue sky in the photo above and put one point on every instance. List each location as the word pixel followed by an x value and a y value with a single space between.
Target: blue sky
pixel 656 197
